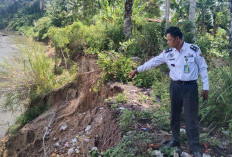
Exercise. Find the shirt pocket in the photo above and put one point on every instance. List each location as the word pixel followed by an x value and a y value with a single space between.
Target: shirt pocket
pixel 191 60
pixel 191 63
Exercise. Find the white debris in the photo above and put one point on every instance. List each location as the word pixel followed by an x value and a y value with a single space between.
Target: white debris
pixel 206 155
pixel 158 153
pixel 74 141
pixel 86 139
pixel 66 144
pixel 57 144
pixel 182 130
pixel 63 127
pixel 101 108
pixel 224 144
pixel 122 108
pixel 175 154
pixel 88 128
pixel 134 58
pixel 48 132
pixel 77 151
pixel 94 148
pixel 184 154
pixel 226 132
pixel 70 152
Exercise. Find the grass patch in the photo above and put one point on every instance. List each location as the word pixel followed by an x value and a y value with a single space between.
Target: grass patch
pixel 29 75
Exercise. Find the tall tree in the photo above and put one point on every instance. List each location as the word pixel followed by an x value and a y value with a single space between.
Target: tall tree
pixel 192 12
pixel 230 39
pixel 167 12
pixel 127 17
pixel 181 8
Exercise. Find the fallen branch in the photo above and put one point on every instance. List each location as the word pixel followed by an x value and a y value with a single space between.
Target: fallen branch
pixel 219 151
pixel 47 132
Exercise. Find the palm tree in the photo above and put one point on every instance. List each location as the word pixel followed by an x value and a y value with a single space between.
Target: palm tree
pixel 167 11
pixel 230 39
pixel 127 17
pixel 192 11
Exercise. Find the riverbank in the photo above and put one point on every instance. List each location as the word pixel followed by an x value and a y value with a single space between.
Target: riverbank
pixel 8 48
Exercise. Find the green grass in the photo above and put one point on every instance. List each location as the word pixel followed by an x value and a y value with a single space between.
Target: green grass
pixel 28 77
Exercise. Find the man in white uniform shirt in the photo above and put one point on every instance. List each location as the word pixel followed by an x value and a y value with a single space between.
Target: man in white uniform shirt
pixel 185 63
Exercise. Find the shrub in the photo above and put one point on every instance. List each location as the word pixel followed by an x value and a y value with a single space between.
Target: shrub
pixel 41 28
pixel 188 36
pixel 78 37
pixel 161 117
pixel 145 79
pixel 160 87
pixel 121 98
pixel 133 144
pixel 115 66
pixel 149 40
pixel 31 114
pixel 126 120
pixel 217 111
pixel 214 46
pixel 31 76
pixel 114 34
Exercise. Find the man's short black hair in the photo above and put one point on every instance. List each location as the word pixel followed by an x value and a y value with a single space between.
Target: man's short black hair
pixel 174 31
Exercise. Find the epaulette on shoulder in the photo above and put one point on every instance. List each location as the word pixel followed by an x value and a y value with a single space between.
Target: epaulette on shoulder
pixel 194 48
pixel 168 50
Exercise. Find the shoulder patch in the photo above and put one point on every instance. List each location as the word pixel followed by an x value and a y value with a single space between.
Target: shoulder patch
pixel 168 50
pixel 194 48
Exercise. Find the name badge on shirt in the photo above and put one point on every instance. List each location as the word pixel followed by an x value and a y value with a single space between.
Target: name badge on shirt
pixel 186 68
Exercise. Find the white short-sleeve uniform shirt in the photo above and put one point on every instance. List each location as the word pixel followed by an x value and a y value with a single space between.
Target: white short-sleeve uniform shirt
pixel 189 56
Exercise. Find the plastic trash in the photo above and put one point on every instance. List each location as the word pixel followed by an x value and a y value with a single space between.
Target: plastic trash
pixel 70 152
pixel 64 127
pixel 88 128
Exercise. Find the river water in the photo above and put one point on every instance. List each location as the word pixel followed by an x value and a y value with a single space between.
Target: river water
pixel 7 49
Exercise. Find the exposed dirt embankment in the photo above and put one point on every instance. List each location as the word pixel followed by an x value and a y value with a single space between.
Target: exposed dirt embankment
pixel 77 120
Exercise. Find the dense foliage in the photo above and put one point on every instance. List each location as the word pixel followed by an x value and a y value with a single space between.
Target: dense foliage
pixel 96 27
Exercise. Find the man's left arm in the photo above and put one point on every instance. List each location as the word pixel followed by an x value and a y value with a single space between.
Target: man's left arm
pixel 202 67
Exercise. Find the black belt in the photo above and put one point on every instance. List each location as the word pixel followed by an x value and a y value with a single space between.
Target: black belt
pixel 184 82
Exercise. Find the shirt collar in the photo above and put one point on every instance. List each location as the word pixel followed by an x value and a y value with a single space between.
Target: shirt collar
pixel 184 46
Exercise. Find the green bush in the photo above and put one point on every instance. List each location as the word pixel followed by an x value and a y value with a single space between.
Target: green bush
pixel 31 114
pixel 121 98
pixel 115 66
pixel 160 88
pixel 214 46
pixel 148 40
pixel 133 144
pixel 78 37
pixel 22 19
pixel 188 36
pixel 114 34
pixel 41 28
pixel 161 117
pixel 217 111
pixel 145 79
pixel 31 76
pixel 126 120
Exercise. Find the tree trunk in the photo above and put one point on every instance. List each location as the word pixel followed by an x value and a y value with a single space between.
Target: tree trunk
pixel 192 12
pixel 167 11
pixel 84 8
pixel 230 38
pixel 127 17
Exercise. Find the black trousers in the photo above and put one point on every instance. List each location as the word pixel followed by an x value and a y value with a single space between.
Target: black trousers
pixel 185 94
